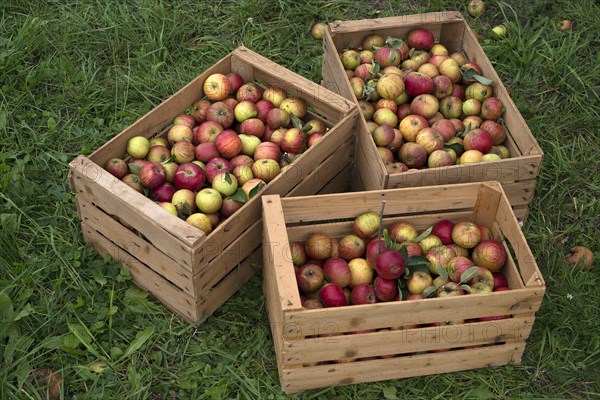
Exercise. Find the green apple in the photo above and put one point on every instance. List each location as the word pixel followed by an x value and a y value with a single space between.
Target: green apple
pixel 249 144
pixel 225 183
pixel 200 221
pixel 138 146
pixel 209 201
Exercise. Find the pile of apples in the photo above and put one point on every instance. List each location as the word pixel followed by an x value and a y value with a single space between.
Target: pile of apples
pixel 448 259
pixel 424 107
pixel 219 153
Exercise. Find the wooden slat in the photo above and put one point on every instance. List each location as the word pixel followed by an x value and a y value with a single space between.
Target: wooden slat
pixel 452 34
pixel 299 379
pixel 167 293
pixel 368 162
pixel 334 77
pixel 340 183
pixel 145 252
pixel 398 201
pixel 325 171
pixel 520 193
pixel 528 267
pixel 510 169
pixel 165 231
pixel 278 257
pixel 209 302
pixel 486 206
pixel 229 258
pixel 160 116
pixel 393 314
pixel 394 342
pixel 521 212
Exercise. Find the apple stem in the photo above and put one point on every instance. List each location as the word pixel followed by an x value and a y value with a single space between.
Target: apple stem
pixel 380 227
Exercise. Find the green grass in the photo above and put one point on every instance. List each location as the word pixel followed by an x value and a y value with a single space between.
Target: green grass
pixel 75 73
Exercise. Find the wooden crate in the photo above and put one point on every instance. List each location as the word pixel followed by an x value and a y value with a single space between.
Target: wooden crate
pixel 314 348
pixel 518 174
pixel 190 272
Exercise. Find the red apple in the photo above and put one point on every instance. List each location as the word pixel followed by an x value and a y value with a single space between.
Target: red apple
pixel 294 105
pixel 133 181
pixel 363 294
pixel 198 110
pixel 221 113
pixel 445 128
pixel 417 83
pixel 457 266
pixel 478 139
pixel 163 192
pixel 318 246
pixel 152 175
pixel 351 247
pixel 178 133
pixel 229 207
pixel 332 295
pixel 236 81
pixel 495 130
pixel 374 248
pixel 386 56
pixel 215 167
pixel 443 230
pixel 337 271
pixel 500 281
pixel 217 87
pixel 183 152
pixel 441 86
pixel 390 264
pixel 228 143
pixel 206 151
pixel 249 91
pixel 413 155
pixel 420 39
pixel 275 95
pixel 425 105
pixel 310 278
pixel 207 132
pixel 189 176
pixel 117 167
pixel 293 141
pixel 278 118
pixel 262 109
pixel 390 86
pixel 385 289
pixel 489 254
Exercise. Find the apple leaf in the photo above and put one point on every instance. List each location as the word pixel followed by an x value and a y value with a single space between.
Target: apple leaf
pixel 228 178
pixel 239 195
pixel 368 91
pixel 172 158
pixel 400 294
pixel 454 146
pixel 468 274
pixel 466 288
pixel 423 235
pixel 417 260
pixel 146 191
pixel 306 128
pixel 403 252
pixel 402 282
pixel 376 67
pixel 255 189
pixel 441 271
pixel 418 267
pixel 134 168
pixel 296 122
pixel 411 52
pixel 394 43
pixel 483 79
pixel 463 133
pixel 187 210
pixel 429 291
pixel 387 239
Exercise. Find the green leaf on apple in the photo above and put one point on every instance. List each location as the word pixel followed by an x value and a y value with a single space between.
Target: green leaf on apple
pixel 468 274
pixel 387 239
pixel 187 210
pixel 466 288
pixel 168 160
pixel 228 178
pixel 442 273
pixel 306 128
pixel 239 195
pixel 403 252
pixel 296 122
pixel 255 190
pixel 423 235
pixel 429 291
pixel 146 191
pixel 454 146
pixel 394 43
pixel 463 133
pixel 402 282
pixel 400 294
pixel 483 80
pixel 419 267
pixel 376 67
pixel 368 91
pixel 411 52
pixel 134 168
pixel 418 260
